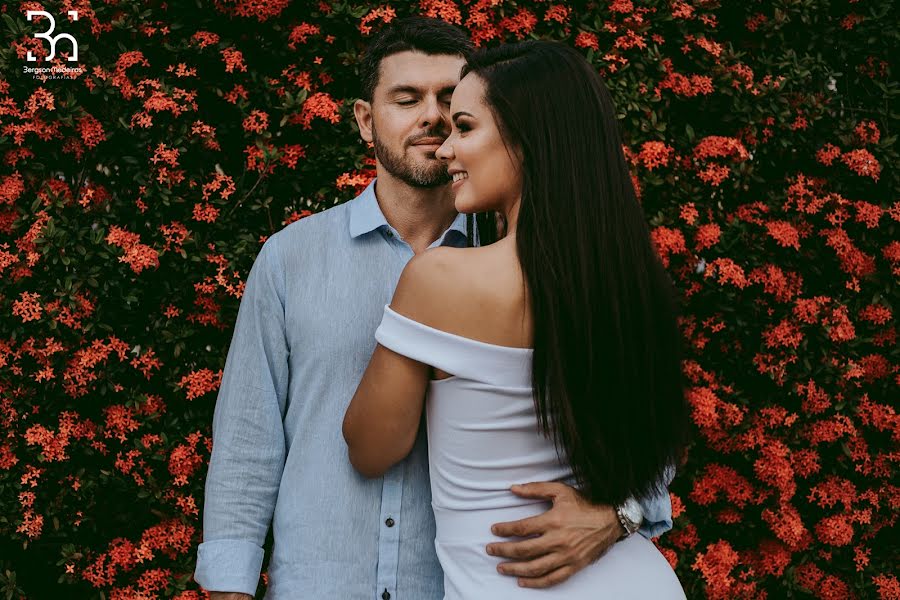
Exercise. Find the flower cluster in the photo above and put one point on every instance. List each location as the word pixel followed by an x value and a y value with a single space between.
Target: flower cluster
pixel 137 255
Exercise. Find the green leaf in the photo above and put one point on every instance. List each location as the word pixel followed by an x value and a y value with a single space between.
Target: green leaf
pixel 11 24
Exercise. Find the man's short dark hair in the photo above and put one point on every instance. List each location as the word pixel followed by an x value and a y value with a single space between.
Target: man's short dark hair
pixel 421 34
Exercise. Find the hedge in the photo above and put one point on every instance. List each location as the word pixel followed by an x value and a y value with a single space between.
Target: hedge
pixel 136 189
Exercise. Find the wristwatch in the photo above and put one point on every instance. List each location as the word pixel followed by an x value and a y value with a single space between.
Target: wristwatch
pixel 630 516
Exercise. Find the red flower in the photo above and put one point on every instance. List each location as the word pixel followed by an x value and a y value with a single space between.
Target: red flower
pixel 300 33
pixel 586 39
pixel 263 10
pixel 867 132
pixel 654 154
pixel 667 242
pixel 835 531
pixel 707 236
pixel 888 586
pixel 558 12
pixel 233 59
pixel 441 9
pixel 200 382
pixel 256 122
pixel 520 24
pixel 91 131
pixel 784 233
pixel 827 154
pixel 28 307
pixel 863 163
pixel 320 105
pixel 385 13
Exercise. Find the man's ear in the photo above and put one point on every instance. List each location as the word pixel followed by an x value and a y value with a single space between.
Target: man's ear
pixel 362 110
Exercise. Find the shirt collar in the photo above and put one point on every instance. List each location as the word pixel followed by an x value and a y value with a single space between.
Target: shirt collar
pixel 366 215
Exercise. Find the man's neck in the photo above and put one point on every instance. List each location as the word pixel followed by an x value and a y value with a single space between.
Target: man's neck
pixel 420 215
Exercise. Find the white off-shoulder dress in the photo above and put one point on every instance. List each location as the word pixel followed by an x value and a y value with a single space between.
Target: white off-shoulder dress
pixel 483 437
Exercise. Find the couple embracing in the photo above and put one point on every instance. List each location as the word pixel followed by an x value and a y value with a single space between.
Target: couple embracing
pixel 465 383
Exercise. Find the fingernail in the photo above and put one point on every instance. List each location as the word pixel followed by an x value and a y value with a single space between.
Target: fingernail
pixel 494 529
pixel 490 550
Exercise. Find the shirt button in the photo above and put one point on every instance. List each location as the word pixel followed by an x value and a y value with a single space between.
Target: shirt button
pixel 389 522
pixel 385 595
pixel 389 234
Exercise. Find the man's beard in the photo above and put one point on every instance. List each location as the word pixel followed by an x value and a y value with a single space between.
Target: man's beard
pixel 414 175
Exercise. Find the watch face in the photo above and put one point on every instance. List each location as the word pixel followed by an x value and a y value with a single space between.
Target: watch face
pixel 632 511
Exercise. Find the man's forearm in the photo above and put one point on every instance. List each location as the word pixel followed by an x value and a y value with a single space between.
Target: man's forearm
pixel 249 449
pixel 241 490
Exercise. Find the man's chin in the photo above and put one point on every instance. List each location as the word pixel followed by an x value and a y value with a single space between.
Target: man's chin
pixel 432 183
pixel 439 178
pixel 431 178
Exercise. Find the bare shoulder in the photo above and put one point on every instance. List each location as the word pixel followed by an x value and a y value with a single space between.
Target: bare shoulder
pixel 473 292
pixel 433 281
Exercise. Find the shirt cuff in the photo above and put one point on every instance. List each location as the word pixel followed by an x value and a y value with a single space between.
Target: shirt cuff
pixel 657 516
pixel 229 566
pixel 655 528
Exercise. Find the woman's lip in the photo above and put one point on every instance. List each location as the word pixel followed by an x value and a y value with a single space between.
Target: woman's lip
pixel 456 183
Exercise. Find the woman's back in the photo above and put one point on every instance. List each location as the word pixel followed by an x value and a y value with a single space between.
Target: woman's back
pixel 483 433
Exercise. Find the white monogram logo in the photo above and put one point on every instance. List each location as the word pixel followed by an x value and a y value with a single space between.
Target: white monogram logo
pixel 53 39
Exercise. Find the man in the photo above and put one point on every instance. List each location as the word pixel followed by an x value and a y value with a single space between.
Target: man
pixel 304 334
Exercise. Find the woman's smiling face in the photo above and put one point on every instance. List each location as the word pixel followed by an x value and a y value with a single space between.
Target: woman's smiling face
pixel 486 173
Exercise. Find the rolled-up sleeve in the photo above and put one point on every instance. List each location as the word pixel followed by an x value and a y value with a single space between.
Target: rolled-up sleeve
pixel 658 510
pixel 248 450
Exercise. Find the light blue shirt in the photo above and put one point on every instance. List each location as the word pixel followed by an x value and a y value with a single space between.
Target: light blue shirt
pixel 303 338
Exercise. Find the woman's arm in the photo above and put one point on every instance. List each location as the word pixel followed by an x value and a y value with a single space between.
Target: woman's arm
pixel 381 423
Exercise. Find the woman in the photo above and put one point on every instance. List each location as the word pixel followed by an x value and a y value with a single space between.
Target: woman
pixel 551 354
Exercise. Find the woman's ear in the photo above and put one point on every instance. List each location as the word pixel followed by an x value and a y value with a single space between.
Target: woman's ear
pixel 362 110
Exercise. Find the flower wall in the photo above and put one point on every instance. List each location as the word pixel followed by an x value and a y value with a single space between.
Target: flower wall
pixel 136 191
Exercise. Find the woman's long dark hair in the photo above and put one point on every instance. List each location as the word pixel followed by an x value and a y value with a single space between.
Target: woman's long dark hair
pixel 607 373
